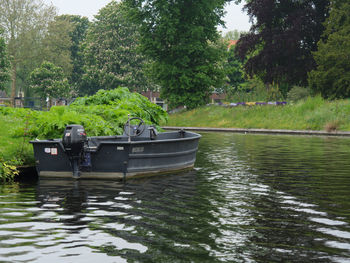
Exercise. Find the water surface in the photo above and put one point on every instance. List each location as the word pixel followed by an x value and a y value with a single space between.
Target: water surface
pixel 251 198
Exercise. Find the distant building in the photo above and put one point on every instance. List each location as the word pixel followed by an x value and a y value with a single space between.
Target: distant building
pixel 217 97
pixel 231 43
pixel 154 97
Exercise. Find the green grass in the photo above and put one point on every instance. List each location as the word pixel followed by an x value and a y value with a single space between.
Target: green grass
pixel 14 149
pixel 312 114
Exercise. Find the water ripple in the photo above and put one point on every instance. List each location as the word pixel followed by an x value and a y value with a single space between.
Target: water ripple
pixel 250 199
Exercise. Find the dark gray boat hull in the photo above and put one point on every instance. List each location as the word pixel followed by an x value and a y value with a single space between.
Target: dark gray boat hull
pixel 116 157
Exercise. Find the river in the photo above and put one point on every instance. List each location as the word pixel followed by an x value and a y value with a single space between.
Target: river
pixel 250 198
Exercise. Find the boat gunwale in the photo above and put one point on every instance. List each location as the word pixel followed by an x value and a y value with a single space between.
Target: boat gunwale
pixel 104 139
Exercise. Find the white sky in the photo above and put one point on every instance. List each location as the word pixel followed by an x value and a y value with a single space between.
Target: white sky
pixel 235 18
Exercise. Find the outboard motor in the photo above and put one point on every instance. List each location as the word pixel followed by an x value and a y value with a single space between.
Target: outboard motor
pixel 74 138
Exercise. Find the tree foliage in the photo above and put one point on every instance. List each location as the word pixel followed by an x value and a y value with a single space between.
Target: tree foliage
pixel 111 58
pixel 179 37
pixel 24 23
pixel 4 64
pixel 279 45
pixel 49 81
pixel 234 69
pixel 331 78
pixel 233 35
pixel 57 44
pixel 79 27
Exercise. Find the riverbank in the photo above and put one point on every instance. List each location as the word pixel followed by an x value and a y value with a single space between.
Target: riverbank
pixel 15 149
pixel 314 114
pixel 261 131
pixel 13 145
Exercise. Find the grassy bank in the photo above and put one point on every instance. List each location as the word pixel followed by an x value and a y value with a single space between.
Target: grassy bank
pixel 14 150
pixel 12 145
pixel 312 114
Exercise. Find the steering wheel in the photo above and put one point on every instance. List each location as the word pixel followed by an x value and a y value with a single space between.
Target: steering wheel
pixel 134 130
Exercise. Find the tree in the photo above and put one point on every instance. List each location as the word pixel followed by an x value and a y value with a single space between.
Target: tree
pixel 233 35
pixel 62 46
pixel 278 48
pixel 110 51
pixel 234 69
pixel 49 81
pixel 180 37
pixel 4 64
pixel 79 26
pixel 57 44
pixel 332 76
pixel 24 22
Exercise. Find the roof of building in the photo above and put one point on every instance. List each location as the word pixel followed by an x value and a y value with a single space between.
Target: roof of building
pixel 231 43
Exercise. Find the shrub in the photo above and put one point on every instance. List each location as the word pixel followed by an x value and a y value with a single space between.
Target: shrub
pixel 104 113
pixel 51 124
pixel 298 93
pixel 126 101
pixel 255 90
pixel 7 171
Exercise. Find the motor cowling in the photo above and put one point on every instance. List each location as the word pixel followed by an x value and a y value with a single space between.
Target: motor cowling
pixel 74 138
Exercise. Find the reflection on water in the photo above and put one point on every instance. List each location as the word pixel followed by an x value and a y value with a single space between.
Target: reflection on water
pixel 251 198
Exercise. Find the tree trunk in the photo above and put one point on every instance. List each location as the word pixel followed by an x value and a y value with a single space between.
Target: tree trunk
pixel 13 85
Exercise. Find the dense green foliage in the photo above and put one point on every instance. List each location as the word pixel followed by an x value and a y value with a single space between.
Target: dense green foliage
pixel 102 114
pixel 233 35
pixel 278 48
pixel 173 47
pixel 57 43
pixel 331 78
pixel 14 150
pixel 24 23
pixel 110 52
pixel 254 89
pixel 49 81
pixel 234 72
pixel 79 26
pixel 311 114
pixel 4 63
pixel 178 36
pixel 126 103
pixel 62 46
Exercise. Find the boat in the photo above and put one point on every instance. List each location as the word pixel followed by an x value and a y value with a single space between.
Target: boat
pixel 140 151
